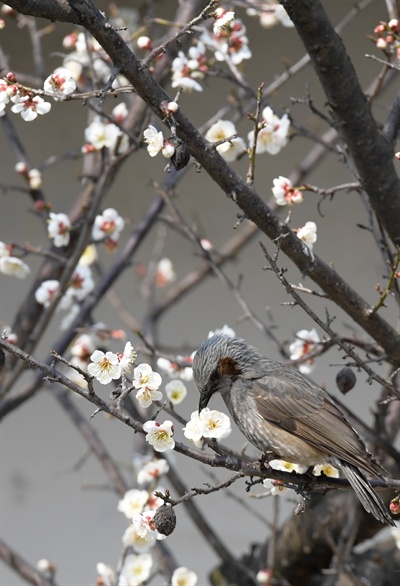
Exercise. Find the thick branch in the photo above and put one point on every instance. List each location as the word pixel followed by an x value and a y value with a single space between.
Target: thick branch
pixel 372 153
pixel 54 10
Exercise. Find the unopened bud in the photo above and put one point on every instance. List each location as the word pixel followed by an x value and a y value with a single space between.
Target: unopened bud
pixel 165 519
pixel 394 25
pixel 381 44
pixel 378 30
pixel 168 150
pixel 35 178
pixel 144 43
pixel 172 107
pixel 22 168
pixel 11 77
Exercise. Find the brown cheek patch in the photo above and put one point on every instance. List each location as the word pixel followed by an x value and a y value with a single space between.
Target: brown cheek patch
pixel 229 367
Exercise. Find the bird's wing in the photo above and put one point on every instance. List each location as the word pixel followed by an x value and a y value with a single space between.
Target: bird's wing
pixel 306 411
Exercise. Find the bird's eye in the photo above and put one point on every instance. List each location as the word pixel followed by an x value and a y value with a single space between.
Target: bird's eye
pixel 214 375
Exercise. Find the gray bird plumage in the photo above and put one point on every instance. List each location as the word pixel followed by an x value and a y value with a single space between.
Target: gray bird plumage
pixel 281 411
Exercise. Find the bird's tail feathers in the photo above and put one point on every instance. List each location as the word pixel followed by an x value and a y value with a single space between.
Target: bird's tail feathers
pixel 366 494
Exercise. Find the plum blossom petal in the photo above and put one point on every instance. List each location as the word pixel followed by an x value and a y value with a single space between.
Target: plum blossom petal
pixel 104 367
pixel 160 435
pixel 14 267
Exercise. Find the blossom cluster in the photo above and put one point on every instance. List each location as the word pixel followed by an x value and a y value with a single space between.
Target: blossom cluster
pixel 140 505
pixel 388 37
pixel 26 101
pixel 12 265
pixel 277 487
pixel 99 135
pixel 306 341
pixel 207 424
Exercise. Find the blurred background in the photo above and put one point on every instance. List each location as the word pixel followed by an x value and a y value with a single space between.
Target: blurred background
pixel 55 503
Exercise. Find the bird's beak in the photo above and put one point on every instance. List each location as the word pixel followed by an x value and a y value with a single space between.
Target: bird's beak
pixel 204 399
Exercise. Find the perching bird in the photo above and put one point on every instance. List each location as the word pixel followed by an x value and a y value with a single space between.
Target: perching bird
pixel 281 411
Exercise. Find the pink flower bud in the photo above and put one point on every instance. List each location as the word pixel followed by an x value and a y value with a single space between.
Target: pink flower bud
pixel 378 30
pixel 22 168
pixel 394 25
pixel 144 43
pixel 381 44
pixel 172 107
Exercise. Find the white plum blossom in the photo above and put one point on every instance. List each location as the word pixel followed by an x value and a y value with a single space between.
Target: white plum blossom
pixel 104 367
pixel 60 82
pixel 83 346
pixel 215 424
pixel 144 527
pixel 106 574
pixel 100 135
pixel 183 577
pixel 81 284
pixel 133 502
pixel 30 106
pixel 187 69
pixel 154 501
pixel 288 466
pixel 284 192
pixel 58 229
pixel 276 487
pixel 308 234
pixel 127 358
pixel 156 143
pixel 131 538
pixel 176 391
pixel 14 267
pixel 229 42
pixel 306 340
pixel 193 430
pixel 165 273
pixel 154 139
pixel 326 469
pixel 172 369
pixel 108 225
pixel 147 382
pixel 187 84
pixel 5 249
pixel 272 136
pixel 45 292
pixel 4 97
pixel 152 471
pixel 283 17
pixel 208 423
pixel 231 149
pixel 159 435
pixel 136 569
pixel 120 112
pixel 222 19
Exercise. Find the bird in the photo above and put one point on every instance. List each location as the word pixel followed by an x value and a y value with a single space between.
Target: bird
pixel 280 411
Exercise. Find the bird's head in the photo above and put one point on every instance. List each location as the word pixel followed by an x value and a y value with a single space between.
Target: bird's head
pixel 220 361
